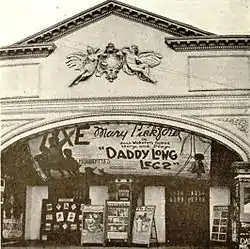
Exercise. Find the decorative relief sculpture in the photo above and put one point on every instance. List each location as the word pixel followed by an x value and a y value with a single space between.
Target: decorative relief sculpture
pixel 111 61
pixel 241 123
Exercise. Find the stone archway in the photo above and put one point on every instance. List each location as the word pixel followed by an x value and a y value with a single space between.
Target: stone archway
pixel 192 125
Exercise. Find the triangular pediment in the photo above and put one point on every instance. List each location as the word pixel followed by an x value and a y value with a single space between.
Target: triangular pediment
pixel 105 9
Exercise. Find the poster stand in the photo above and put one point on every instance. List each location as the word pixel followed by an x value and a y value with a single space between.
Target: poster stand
pixel 144 228
pixel 153 234
pixel 92 224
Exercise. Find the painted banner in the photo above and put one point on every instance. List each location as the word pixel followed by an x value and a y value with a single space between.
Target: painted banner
pixel 121 148
pixel 142 225
pixel 92 224
pixel 117 220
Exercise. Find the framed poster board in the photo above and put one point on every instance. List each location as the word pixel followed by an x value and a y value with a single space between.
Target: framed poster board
pixel 117 221
pixel 92 224
pixel 142 225
pixel 220 223
pixel 60 221
pixel 245 201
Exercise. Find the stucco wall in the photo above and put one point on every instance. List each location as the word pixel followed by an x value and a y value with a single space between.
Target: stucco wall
pixel 180 73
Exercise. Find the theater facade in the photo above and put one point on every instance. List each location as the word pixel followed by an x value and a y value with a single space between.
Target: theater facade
pixel 117 104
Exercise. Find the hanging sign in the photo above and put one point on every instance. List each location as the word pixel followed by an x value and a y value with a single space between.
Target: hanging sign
pixel 220 223
pixel 117 220
pixel 121 148
pixel 142 225
pixel 92 224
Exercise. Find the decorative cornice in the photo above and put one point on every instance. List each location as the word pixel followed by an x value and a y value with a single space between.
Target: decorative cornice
pixel 227 42
pixel 148 103
pixel 26 51
pixel 117 8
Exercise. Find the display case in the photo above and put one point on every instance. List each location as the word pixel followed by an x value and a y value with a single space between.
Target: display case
pixel 117 222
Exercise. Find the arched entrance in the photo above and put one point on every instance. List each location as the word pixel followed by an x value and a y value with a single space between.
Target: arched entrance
pixel 158 152
pixel 207 129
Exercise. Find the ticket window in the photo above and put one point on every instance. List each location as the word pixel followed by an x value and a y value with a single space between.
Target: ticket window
pixel 121 190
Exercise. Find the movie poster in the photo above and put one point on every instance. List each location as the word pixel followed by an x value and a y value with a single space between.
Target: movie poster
pixel 142 225
pixel 93 219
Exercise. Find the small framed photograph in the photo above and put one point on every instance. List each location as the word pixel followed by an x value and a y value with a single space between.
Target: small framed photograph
pixel 66 206
pixel 49 207
pixel 215 236
pixel 223 230
pixel 73 227
pixel 59 217
pixel 73 206
pixel 56 227
pixel 222 237
pixel 223 222
pixel 216 222
pixel 49 217
pixel 44 237
pixel 71 216
pixel 58 206
pixel 48 226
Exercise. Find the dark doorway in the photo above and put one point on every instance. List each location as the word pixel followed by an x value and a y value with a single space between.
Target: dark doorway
pixel 187 214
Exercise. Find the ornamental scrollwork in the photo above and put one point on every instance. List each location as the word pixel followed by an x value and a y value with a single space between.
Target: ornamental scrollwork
pixel 240 123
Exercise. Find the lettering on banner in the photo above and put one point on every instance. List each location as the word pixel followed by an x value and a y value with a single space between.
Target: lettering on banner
pixel 138 131
pixel 149 159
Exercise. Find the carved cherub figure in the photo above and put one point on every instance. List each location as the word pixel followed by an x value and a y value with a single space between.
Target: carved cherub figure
pixel 139 63
pixel 85 63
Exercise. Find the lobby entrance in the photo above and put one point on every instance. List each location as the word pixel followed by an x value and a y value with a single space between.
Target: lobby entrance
pixel 187 214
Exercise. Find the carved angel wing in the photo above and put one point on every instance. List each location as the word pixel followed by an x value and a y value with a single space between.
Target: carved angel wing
pixel 152 59
pixel 77 61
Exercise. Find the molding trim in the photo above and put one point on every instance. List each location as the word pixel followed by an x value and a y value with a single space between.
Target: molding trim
pixel 195 102
pixel 213 42
pixel 26 51
pixel 9 125
pixel 117 8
